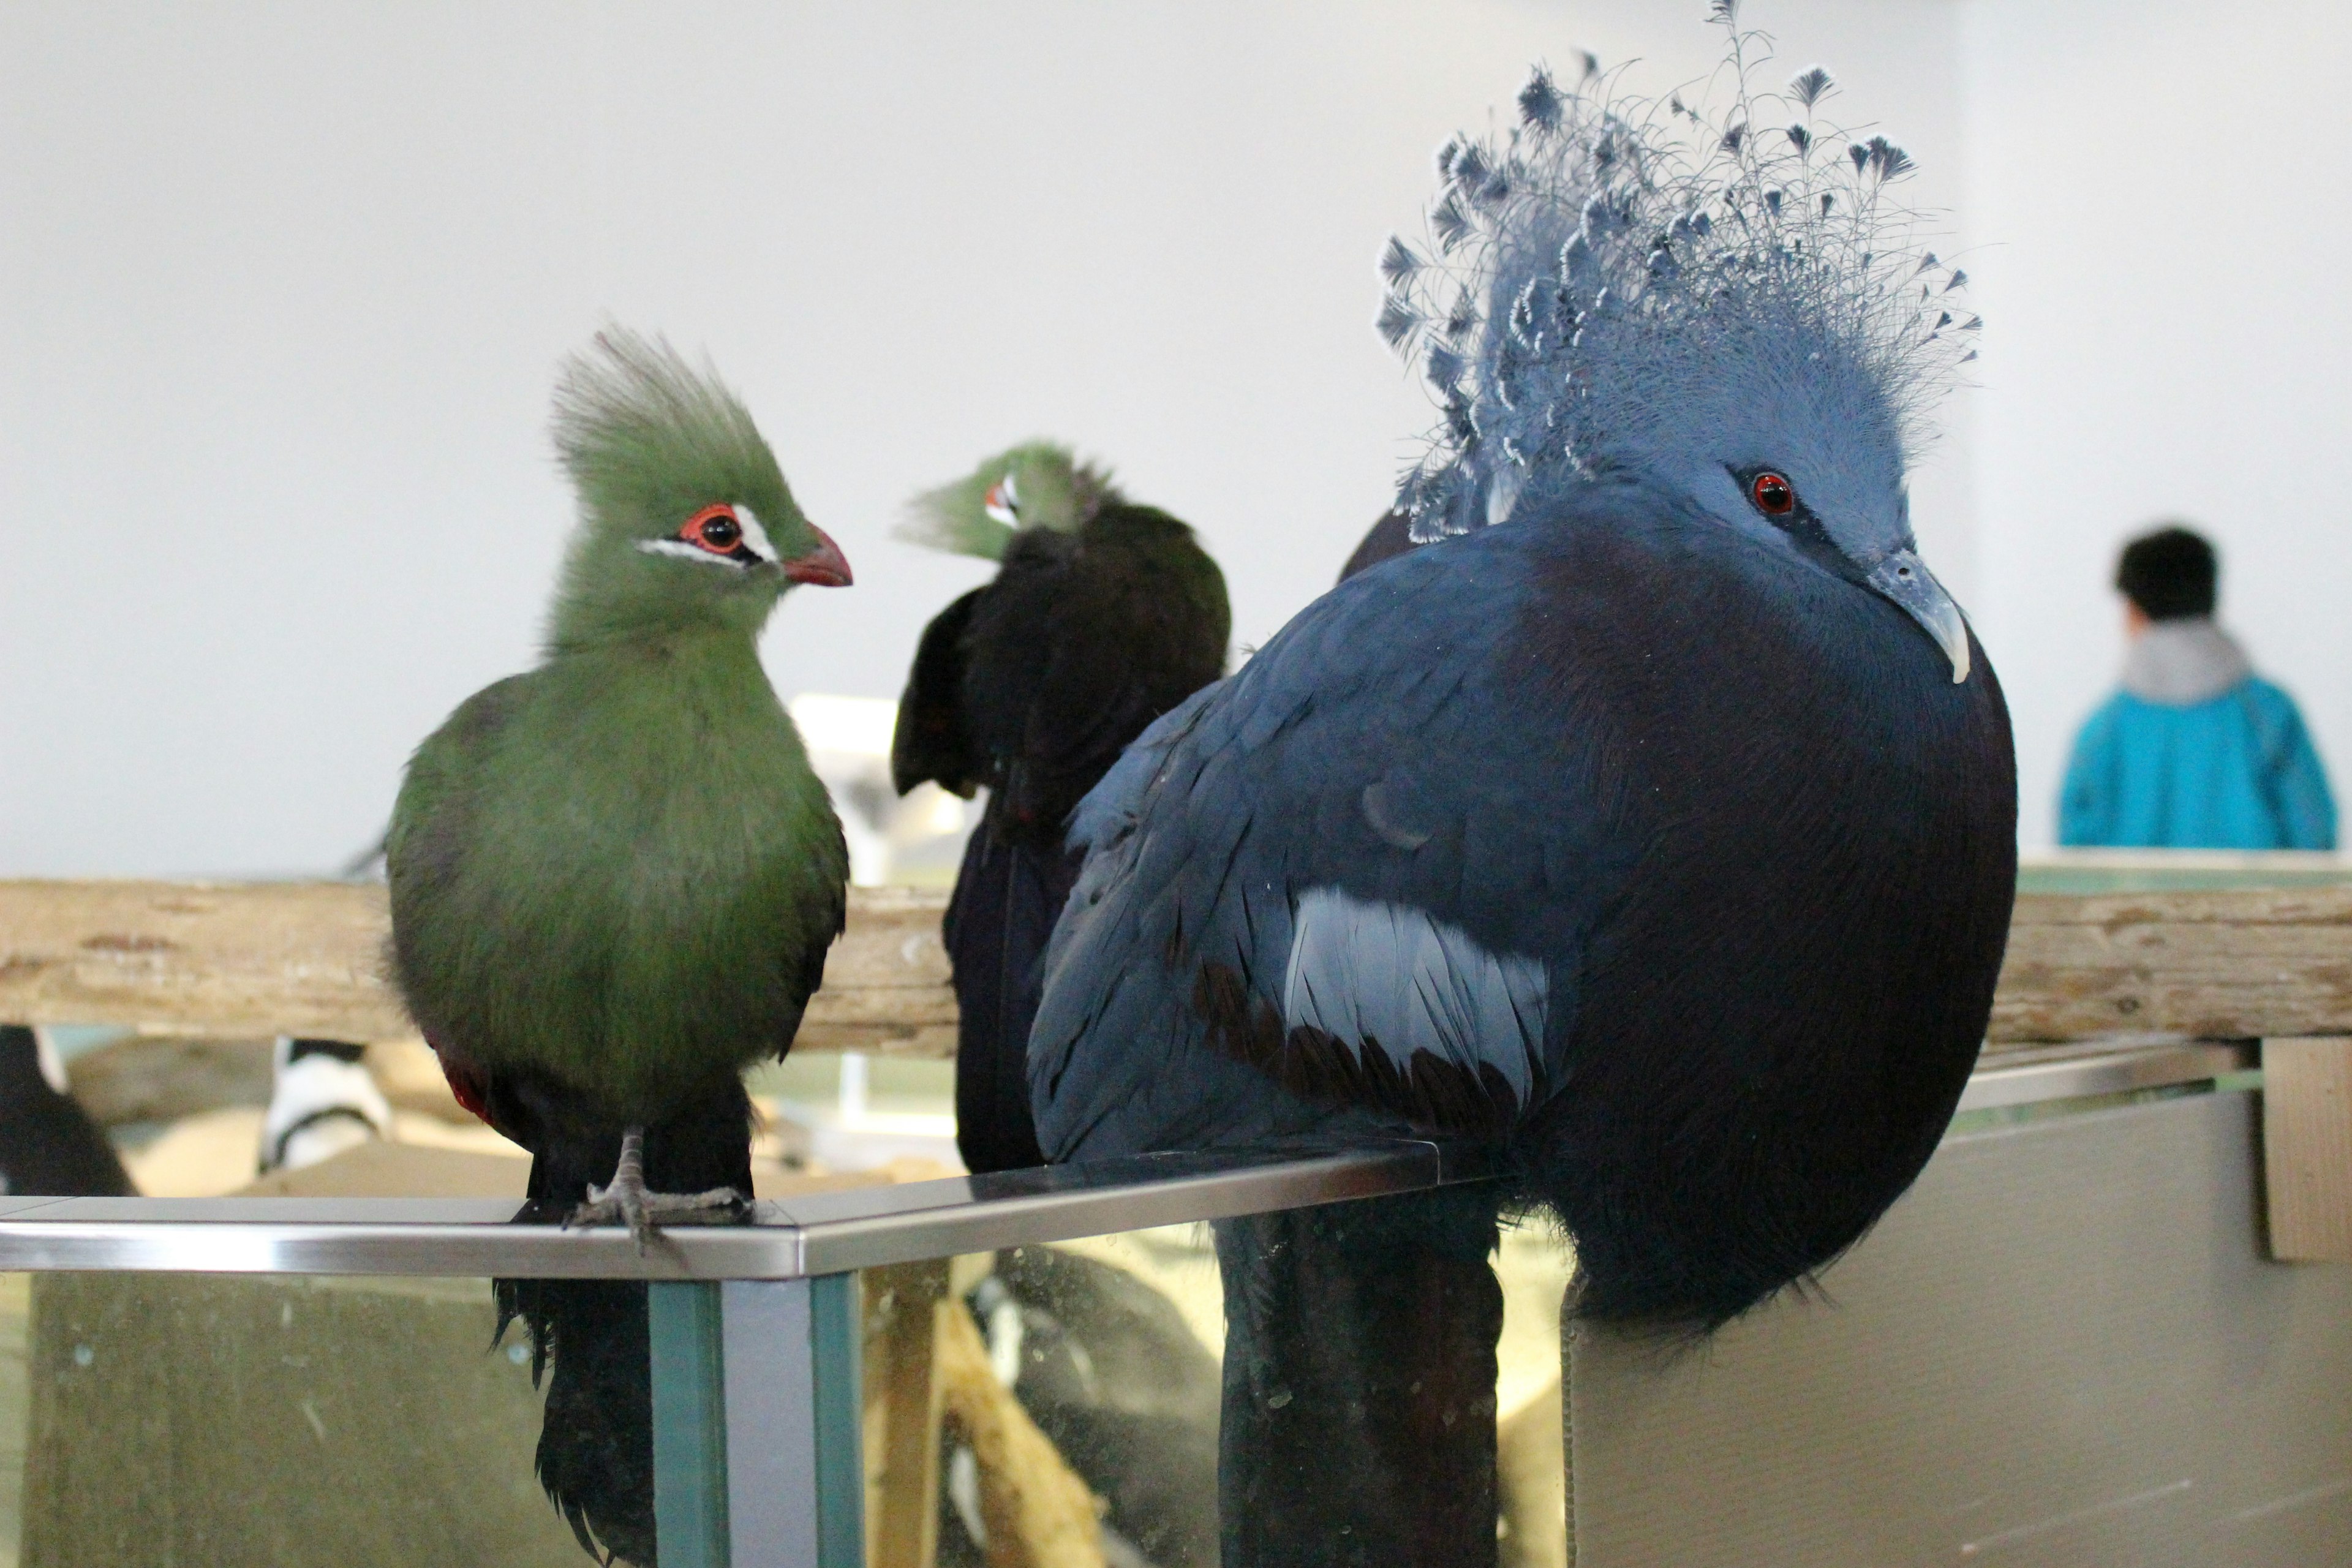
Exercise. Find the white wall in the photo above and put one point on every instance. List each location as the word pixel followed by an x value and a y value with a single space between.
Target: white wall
pixel 2161 187
pixel 282 288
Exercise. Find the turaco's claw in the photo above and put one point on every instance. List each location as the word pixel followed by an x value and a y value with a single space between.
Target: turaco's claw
pixel 628 1201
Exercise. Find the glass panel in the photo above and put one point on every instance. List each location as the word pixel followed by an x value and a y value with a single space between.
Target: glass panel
pixel 1386 1368
pixel 2065 1345
pixel 154 1419
pixel 15 1291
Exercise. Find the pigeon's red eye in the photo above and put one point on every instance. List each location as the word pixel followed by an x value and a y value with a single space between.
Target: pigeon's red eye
pixel 1773 495
pixel 715 529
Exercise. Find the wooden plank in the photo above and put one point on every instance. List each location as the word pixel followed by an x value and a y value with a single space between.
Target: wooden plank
pixel 241 959
pixel 228 961
pixel 2308 1148
pixel 2236 964
pixel 885 981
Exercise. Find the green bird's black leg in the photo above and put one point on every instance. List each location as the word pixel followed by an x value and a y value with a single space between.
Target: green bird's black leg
pixel 628 1200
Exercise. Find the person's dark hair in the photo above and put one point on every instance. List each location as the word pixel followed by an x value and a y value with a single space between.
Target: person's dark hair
pixel 2170 574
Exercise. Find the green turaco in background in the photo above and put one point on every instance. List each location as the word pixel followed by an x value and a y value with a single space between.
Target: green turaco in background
pixel 615 878
pixel 1104 614
pixel 1039 484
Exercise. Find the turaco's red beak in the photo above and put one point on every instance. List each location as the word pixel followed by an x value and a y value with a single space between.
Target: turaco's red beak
pixel 826 565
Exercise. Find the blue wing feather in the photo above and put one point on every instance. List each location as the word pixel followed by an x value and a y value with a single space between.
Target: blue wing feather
pixel 1397 688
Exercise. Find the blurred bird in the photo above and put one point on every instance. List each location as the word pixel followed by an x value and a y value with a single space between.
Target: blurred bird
pixel 1102 616
pixel 323 1102
pixel 1658 831
pixel 614 878
pixel 1392 535
pixel 48 1145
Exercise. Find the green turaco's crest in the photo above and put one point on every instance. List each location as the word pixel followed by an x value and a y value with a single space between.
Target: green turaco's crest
pixel 1040 484
pixel 685 518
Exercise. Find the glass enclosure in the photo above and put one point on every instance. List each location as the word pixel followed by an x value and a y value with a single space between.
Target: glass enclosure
pixel 1298 1356
pixel 1049 1390
pixel 183 1418
pixel 295 1381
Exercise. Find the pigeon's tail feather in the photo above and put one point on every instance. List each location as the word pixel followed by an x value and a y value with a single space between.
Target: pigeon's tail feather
pixel 1387 1310
pixel 1600 278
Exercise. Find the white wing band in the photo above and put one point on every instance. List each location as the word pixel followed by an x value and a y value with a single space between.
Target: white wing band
pixel 1393 974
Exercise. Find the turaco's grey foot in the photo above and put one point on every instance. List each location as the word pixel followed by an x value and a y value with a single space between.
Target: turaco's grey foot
pixel 628 1201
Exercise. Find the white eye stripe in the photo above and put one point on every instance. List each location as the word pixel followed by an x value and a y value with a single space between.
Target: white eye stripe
pixel 684 551
pixel 1002 502
pixel 755 535
pixel 755 539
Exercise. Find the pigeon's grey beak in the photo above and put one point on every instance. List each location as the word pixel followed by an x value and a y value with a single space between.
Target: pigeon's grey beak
pixel 1905 578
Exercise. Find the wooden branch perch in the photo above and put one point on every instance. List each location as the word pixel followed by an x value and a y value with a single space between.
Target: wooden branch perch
pixel 2236 964
pixel 248 959
pixel 239 960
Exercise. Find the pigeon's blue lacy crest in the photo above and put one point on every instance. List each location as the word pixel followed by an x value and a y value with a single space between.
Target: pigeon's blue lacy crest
pixel 1599 278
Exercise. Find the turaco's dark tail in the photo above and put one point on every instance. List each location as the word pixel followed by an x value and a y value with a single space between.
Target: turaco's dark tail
pixel 1008 894
pixel 589 1337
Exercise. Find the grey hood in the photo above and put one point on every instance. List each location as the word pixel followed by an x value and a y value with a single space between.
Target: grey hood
pixel 2181 663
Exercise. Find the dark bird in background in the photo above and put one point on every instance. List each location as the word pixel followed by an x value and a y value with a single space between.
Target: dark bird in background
pixel 1103 616
pixel 1657 830
pixel 1393 535
pixel 614 878
pixel 48 1145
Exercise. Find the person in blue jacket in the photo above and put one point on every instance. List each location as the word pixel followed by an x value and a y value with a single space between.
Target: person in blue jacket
pixel 2197 752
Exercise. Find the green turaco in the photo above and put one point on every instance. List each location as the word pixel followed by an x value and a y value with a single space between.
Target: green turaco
pixel 615 878
pixel 1103 615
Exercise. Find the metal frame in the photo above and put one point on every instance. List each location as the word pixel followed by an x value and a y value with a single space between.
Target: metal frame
pixel 831 1233
pixel 801 1237
pixel 2071 1072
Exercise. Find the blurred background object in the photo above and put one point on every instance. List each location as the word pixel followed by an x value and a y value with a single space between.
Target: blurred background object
pixel 913 840
pixel 2195 750
pixel 321 1103
pixel 48 1145
pixel 259 254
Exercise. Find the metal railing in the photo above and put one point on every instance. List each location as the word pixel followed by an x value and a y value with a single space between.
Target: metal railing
pixel 831 1233
pixel 790 1239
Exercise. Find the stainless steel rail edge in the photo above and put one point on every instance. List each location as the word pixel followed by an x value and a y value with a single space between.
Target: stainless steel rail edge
pixel 823 1233
pixel 827 1233
pixel 2031 1077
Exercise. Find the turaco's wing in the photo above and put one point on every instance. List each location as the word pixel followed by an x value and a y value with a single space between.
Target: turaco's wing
pixel 1080 643
pixel 931 739
pixel 1324 870
pixel 436 830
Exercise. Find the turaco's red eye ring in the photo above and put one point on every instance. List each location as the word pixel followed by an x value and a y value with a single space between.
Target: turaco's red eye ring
pixel 1773 494
pixel 715 527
